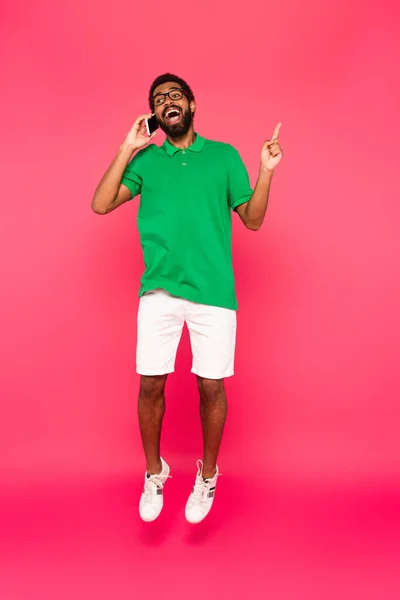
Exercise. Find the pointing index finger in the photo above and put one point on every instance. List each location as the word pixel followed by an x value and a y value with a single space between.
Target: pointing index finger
pixel 276 132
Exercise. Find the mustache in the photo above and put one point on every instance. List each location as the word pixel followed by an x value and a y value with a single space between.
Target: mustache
pixel 169 108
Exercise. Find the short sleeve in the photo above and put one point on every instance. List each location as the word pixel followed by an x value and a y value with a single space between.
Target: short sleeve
pixel 132 176
pixel 239 183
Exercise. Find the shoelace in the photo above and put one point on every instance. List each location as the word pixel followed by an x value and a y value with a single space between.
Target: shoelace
pixel 201 486
pixel 152 484
pixel 200 490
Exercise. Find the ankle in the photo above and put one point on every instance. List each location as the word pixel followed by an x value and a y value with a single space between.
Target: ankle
pixel 154 468
pixel 209 472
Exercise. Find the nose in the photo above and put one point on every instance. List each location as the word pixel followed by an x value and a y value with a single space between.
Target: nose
pixel 166 104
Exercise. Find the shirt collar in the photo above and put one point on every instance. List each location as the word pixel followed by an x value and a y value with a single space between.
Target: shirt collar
pixel 197 146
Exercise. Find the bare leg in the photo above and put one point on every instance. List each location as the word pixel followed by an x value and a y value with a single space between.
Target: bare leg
pixel 213 411
pixel 151 412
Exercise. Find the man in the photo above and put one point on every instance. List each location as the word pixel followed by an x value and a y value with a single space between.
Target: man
pixel 188 188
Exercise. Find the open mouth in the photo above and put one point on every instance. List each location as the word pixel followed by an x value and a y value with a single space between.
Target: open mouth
pixel 173 116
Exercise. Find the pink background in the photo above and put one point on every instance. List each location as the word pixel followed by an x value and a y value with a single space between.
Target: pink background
pixel 307 506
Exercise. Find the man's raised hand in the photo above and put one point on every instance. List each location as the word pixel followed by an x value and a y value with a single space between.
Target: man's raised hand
pixel 271 152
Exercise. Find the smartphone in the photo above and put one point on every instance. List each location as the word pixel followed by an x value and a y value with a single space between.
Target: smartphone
pixel 151 125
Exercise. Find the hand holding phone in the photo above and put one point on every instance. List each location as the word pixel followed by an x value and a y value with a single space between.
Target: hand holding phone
pixel 151 125
pixel 138 136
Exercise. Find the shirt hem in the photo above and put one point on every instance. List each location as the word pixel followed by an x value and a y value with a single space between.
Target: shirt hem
pixel 185 295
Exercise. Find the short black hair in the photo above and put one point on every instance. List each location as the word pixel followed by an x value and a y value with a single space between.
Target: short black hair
pixel 164 79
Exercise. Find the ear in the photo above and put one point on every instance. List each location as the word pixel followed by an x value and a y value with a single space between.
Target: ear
pixel 193 107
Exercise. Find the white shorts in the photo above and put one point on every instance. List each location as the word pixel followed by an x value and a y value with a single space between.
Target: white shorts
pixel 212 330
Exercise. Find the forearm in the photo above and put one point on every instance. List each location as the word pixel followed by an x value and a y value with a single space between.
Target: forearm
pixel 107 190
pixel 256 207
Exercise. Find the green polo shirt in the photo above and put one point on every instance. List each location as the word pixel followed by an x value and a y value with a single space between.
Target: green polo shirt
pixel 184 218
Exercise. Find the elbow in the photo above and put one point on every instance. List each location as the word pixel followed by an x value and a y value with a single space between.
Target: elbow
pixel 97 208
pixel 253 226
pixel 99 211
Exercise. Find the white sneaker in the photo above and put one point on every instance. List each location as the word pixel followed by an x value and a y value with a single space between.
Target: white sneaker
pixel 152 500
pixel 202 497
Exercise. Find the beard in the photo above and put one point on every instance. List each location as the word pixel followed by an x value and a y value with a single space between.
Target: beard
pixel 179 129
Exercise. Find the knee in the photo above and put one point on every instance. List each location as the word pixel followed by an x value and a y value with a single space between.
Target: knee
pixel 210 389
pixel 152 387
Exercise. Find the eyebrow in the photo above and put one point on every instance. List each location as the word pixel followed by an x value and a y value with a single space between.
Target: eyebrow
pixel 170 90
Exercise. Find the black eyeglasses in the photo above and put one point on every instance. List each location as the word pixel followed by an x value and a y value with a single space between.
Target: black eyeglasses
pixel 175 94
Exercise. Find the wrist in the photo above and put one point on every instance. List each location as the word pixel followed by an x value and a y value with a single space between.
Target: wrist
pixel 127 148
pixel 265 172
